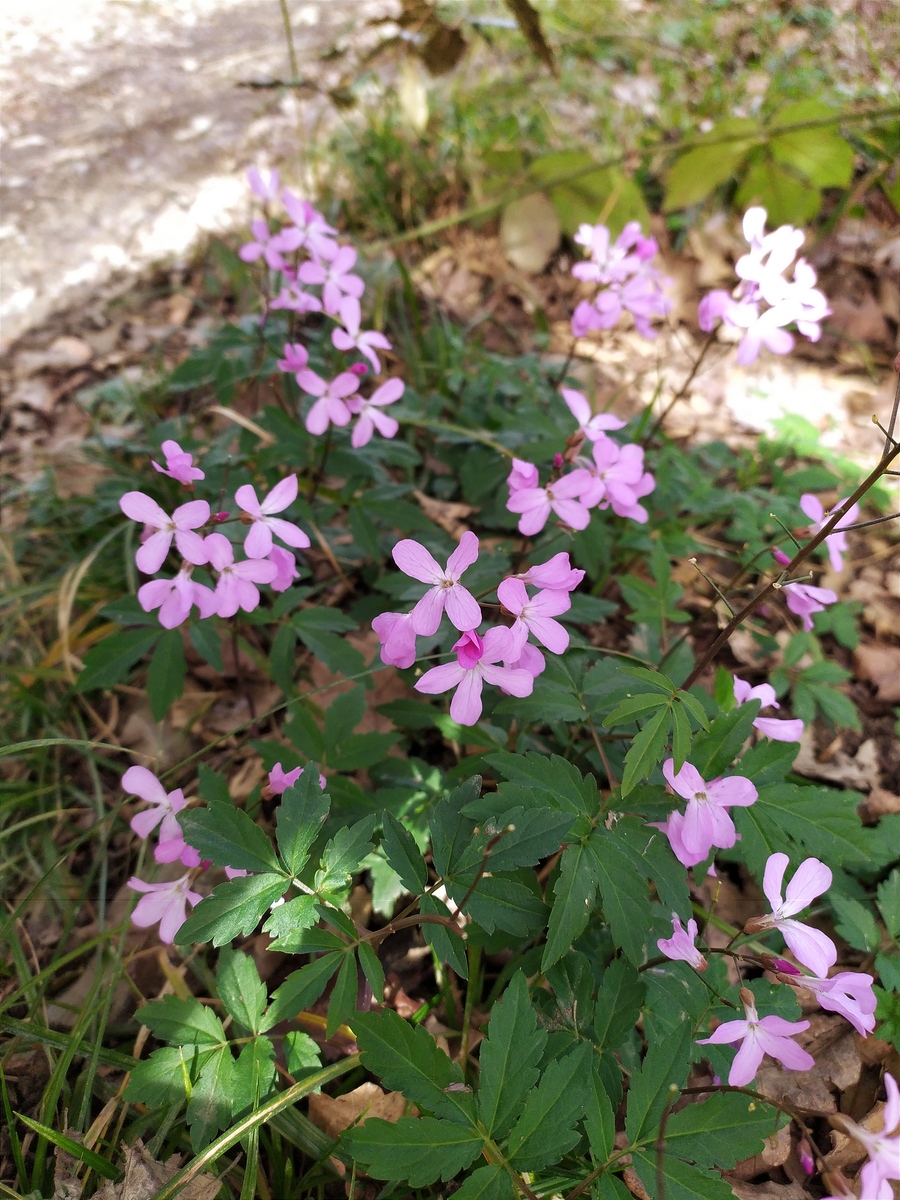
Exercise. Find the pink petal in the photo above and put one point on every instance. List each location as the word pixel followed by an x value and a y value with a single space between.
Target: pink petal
pixel 282 495
pixel 151 556
pixel 389 392
pixel 809 946
pixel 462 608
pixel 245 497
pixel 152 594
pixel 466 706
pixel 192 547
pixel 571 513
pixel 773 878
pixel 290 534
pixel 318 418
pixel 725 1034
pixel 512 595
pixel 138 781
pixel 515 680
pixel 550 634
pixel 414 560
pixel 385 425
pixel 746 1062
pixel 143 823
pixel 687 783
pixel 311 383
pixel 362 431
pixel 191 515
pixel 141 508
pixel 577 405
pixel 344 384
pixel 811 879
pixel 698 830
pixel 440 679
pixel 258 541
pixel 220 551
pixel 426 616
pixel 463 556
pixel 257 570
pixel 812 507
pixel 176 608
pixel 228 596
pixel 892 1107
pixel 551 603
pixel 735 790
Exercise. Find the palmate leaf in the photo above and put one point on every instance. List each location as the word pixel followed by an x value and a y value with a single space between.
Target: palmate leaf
pixel 229 837
pixel 562 784
pixel 650 854
pixel 342 1004
pixel 573 898
pixel 231 909
pixel 546 1128
pixel 509 1058
pixel 407 1059
pixel 304 807
pixel 821 821
pixel 715 749
pixel 420 1150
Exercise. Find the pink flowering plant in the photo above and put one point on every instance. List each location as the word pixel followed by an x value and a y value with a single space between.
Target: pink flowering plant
pixel 466 699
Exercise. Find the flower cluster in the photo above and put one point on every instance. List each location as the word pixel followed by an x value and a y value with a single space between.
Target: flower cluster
pixel 304 254
pixel 501 655
pixel 236 582
pixel 613 477
pixel 623 278
pixel 765 301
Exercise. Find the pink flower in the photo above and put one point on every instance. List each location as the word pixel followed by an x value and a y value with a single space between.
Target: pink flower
pixel 673 827
pixel 280 780
pixel 287 568
pixel 264 245
pixel 178 464
pixel 681 944
pixel 175 597
pixel 296 300
pixel 523 475
pixel 369 414
pixel 295 358
pixel 760 1036
pixel 556 573
pixel 779 731
pixel 398 638
pixel 810 947
pixel 592 425
pixel 138 781
pixel 350 337
pixel 311 227
pixel 804 600
pixel 836 542
pixel 530 659
pixel 258 541
pixel 535 616
pixel 706 819
pixel 330 407
pixel 446 592
pixel 882 1147
pixel 236 587
pixel 849 993
pixel 332 271
pixel 263 184
pixel 151 556
pixel 165 903
pixel 619 480
pixel 476 664
pixel 562 497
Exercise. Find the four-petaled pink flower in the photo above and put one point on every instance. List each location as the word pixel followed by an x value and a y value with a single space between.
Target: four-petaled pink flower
pixel 556 573
pixel 258 541
pixel 476 663
pixel 180 526
pixel 706 820
pixel 446 592
pixel 236 587
pixel 138 781
pixel 175 597
pixel 849 993
pixel 165 903
pixel 562 497
pixel 264 245
pixel 681 944
pixel 333 272
pixel 523 475
pixel 398 638
pixel 804 600
pixel 350 337
pixel 535 615
pixel 296 356
pixel 759 1036
pixel 810 946
pixel 619 480
pixel 178 464
pixel 837 541
pixel 310 225
pixel 294 298
pixel 592 425
pixel 882 1147
pixel 369 414
pixel 779 731
pixel 287 568
pixel 330 408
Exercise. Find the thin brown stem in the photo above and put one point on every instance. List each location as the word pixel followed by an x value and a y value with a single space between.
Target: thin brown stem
pixel 682 391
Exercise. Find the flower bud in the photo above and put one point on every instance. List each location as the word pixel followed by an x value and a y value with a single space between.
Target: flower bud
pixel 221 516
pixel 358 368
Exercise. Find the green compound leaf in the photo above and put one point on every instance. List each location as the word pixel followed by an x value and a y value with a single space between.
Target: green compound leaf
pixel 168 1075
pixel 182 1022
pixel 407 1059
pixel 210 1106
pixel 447 948
pixel 624 894
pixel 304 807
pixel 240 988
pixel 344 854
pixel 403 854
pixel 420 1150
pixel 289 924
pixel 647 749
pixel 546 1128
pixel 509 1058
pixel 300 989
pixel 229 837
pixel 665 1063
pixel 721 1130
pixel 573 898
pixel 232 908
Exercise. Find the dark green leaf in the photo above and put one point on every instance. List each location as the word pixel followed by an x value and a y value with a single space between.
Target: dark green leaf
pixel 418 1149
pixel 509 1058
pixel 889 903
pixel 229 837
pixel 451 832
pixel 210 1106
pixel 714 751
pixel 573 898
pixel 373 970
pixel 449 949
pixel 165 678
pixel 720 1131
pixel 624 893
pixel 303 809
pixel 182 1022
pixel 213 786
pixel 254 1076
pixel 600 1120
pixel 619 1000
pixel 855 922
pixel 646 750
pixel 635 706
pixel 233 908
pixel 487 1183
pixel 283 658
pixel 546 1128
pixel 111 659
pixel 665 1066
pixel 342 1004
pixel 207 641
pixel 344 854
pixel 527 837
pixel 300 989
pixel 682 1181
pixel 403 854
pixel 342 716
pixel 240 988
pixel 681 737
pixel 288 924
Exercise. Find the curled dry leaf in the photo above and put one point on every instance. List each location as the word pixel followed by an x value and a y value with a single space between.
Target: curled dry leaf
pixel 879 665
pixel 144 1177
pixel 446 513
pixel 334 1114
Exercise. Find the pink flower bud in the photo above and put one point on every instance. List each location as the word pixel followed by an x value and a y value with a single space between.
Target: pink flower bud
pixel 780 556
pixel 221 516
pixel 807 1162
pixel 358 368
pixel 558 462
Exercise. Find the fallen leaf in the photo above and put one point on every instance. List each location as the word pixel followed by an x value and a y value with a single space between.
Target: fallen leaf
pixel 449 514
pixel 880 665
pixel 879 803
pixel 768 1190
pixel 774 1153
pixel 144 1177
pixel 530 232
pixel 859 772
pixel 334 1114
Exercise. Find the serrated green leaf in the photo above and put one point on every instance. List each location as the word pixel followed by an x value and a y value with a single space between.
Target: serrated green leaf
pixel 342 1004
pixel 821 820
pixel 650 854
pixel 229 837
pixel 619 999
pixel 451 832
pixel 362 750
pixel 168 1075
pixel 111 659
pixel 600 1120
pixel 240 988
pixel 335 652
pixel 681 737
pixel 559 781
pixel 855 922
pixel 634 706
pixel 344 854
pixel 682 1181
pixel 210 1106
pixel 653 678
pixel 525 837
pixel 207 641
pixel 403 854
pixel 695 708
pixel 342 716
pixel 646 750
pixel 501 902
pixel 666 1063
pixel 697 171
pixel 487 1183
pixel 303 809
pixel 300 989
pixel 231 909
pixel 546 1128
pixel 183 1022
pixel 509 1058
pixel 448 949
pixel 288 924
pixel 301 1053
pixel 213 787
pixel 715 749
pixel 623 893
pixel 720 1131
pixel 786 196
pixel 372 969
pixel 165 677
pixel 573 898
pixel 407 1059
pixel 821 154
pixel 254 1076
pixel 420 1150
pixel 889 903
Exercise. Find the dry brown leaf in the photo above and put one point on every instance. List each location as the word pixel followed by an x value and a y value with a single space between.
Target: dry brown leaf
pixel 879 803
pixel 446 513
pixel 66 1185
pixel 768 1190
pixel 880 665
pixel 861 772
pixel 334 1114
pixel 530 232
pixel 144 1177
pixel 774 1153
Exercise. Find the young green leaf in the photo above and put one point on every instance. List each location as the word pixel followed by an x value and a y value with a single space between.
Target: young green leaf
pixel 240 988
pixel 624 894
pixel 420 1150
pixel 619 999
pixel 301 1053
pixel 600 1120
pixel 646 750
pixel 288 924
pixel 546 1128
pixel 300 989
pixel 403 854
pixel 372 969
pixel 303 809
pixel 635 706
pixel 344 854
pixel 229 837
pixel 231 909
pixel 509 1058
pixel 721 1131
pixel 167 1076
pixel 183 1022
pixel 210 1106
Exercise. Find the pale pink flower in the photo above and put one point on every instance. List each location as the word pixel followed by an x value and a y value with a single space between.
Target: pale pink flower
pixel 164 903
pixel 236 872
pixel 779 731
pixel 618 480
pixel 837 541
pixel 258 541
pixel 280 780
pixel 681 944
pixel 287 569
pixel 593 425
pixel 236 587
pixel 562 497
pixel 523 475
pixel 849 993
pixel 178 464
pixel 138 781
pixel 330 408
pixel 556 573
pixel 296 357
pixel 397 637
pixel 673 827
pixel 369 414
pixel 762 330
pixel 883 1147
pixel 175 597
pixel 264 245
pixel 333 272
pixel 180 526
pixel 295 299
pixel 312 229
pixel 706 819
pixel 644 298
pixel 803 600
pixel 350 337
pixel 446 592
pixel 810 946
pixel 535 615
pixel 476 663
pixel 530 659
pixel 760 1036
pixel 263 183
